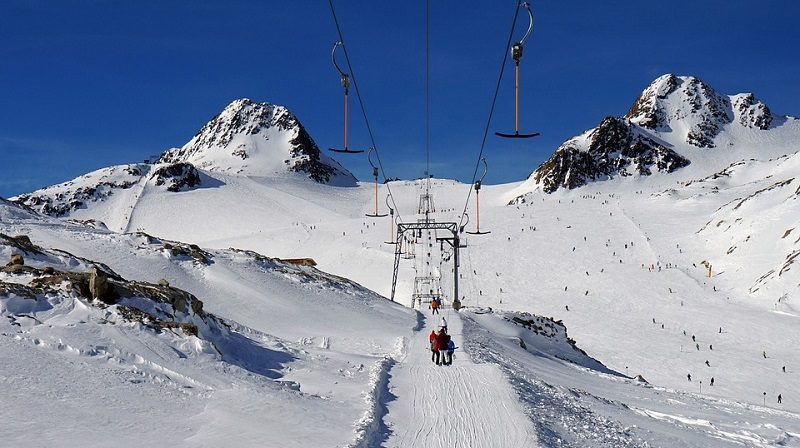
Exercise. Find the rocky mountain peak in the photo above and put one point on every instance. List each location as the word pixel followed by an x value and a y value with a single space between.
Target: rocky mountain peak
pixel 684 104
pixel 616 147
pixel 751 112
pixel 694 110
pixel 258 139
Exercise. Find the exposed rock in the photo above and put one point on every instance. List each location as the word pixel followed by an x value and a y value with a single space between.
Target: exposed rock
pixel 163 282
pixel 8 289
pixel 614 147
pixel 752 112
pixel 21 242
pixel 16 259
pixel 647 111
pixel 98 286
pixel 62 199
pixel 193 251
pixel 173 307
pixel 177 177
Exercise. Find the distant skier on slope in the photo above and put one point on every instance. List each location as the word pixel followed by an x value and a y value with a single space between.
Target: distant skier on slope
pixel 434 305
pixel 443 324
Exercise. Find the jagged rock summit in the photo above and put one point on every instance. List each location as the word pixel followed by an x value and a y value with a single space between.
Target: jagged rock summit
pixel 673 119
pixel 258 139
pixel 694 110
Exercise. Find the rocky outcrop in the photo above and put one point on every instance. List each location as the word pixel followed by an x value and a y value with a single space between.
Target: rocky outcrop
pixel 98 286
pixel 176 177
pixel 614 148
pixel 155 306
pixel 648 111
pixel 62 199
pixel 751 112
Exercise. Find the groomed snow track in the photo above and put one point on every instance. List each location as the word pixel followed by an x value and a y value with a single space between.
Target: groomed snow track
pixel 461 405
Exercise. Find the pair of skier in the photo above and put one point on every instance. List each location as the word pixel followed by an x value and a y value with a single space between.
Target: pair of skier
pixel 442 346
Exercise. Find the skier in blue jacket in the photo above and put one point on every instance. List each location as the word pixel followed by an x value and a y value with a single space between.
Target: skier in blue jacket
pixel 451 347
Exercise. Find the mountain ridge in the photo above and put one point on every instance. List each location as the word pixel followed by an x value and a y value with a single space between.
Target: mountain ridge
pixel 668 125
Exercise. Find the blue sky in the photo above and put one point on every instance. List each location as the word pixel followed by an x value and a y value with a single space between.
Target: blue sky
pixel 87 84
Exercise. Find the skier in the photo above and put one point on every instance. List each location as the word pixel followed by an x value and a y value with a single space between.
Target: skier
pixel 765 354
pixel 784 369
pixel 712 380
pixel 693 338
pixel 434 351
pixel 443 324
pixel 434 306
pixel 779 399
pixel 441 345
pixel 707 363
pixel 451 347
pixel 689 376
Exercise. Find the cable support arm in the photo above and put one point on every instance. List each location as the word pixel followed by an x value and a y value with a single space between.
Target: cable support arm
pixel 491 113
pixel 361 104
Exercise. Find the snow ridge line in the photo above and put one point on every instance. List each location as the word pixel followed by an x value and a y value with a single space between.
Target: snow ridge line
pixel 370 429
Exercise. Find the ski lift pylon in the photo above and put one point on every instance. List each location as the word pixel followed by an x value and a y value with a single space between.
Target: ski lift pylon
pixel 345 79
pixel 391 224
pixel 478 201
pixel 375 175
pixel 516 53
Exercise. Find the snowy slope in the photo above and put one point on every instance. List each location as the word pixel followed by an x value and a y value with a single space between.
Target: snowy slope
pixel 613 323
pixel 622 264
pixel 301 354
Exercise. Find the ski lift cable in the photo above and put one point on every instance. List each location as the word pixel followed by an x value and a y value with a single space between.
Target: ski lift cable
pixel 361 105
pixel 428 95
pixel 491 111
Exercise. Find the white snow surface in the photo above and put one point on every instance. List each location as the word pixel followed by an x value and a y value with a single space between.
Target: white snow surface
pixel 306 357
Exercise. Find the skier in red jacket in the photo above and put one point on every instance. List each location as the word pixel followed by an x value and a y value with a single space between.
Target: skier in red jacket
pixel 432 340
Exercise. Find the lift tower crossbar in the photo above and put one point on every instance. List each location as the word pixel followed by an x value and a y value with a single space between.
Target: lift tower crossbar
pixel 453 241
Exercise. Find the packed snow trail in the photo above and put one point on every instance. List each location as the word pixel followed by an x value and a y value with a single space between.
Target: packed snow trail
pixel 464 404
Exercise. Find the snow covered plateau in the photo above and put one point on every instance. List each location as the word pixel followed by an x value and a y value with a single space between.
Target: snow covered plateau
pixel 640 289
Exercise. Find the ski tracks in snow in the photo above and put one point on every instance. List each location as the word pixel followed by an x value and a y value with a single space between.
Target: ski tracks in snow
pixel 137 195
pixel 464 404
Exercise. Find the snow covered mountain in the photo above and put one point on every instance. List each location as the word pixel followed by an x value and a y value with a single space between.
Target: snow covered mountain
pixel 258 139
pixel 245 139
pixel 669 124
pixel 616 147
